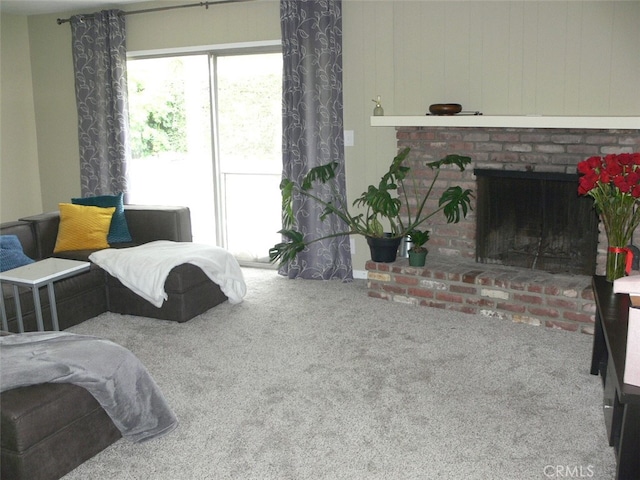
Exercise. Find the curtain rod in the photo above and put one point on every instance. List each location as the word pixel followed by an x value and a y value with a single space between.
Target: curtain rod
pixel 60 21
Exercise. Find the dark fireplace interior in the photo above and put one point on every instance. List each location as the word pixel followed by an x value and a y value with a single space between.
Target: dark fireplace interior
pixel 535 220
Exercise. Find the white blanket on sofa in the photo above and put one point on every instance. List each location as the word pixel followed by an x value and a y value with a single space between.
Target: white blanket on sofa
pixel 145 268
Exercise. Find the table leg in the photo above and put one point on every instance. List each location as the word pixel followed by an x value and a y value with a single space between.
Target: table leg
pixel 38 308
pixel 628 458
pixel 599 352
pixel 53 307
pixel 16 296
pixel 3 310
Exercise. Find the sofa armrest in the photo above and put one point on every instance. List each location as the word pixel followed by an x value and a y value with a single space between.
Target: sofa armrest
pixel 148 223
pixel 45 227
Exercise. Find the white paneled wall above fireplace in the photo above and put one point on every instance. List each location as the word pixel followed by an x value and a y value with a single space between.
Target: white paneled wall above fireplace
pixel 502 57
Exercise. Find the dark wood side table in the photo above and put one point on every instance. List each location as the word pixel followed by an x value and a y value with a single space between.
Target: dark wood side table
pixel 621 400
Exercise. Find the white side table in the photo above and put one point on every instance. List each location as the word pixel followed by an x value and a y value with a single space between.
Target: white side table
pixel 34 276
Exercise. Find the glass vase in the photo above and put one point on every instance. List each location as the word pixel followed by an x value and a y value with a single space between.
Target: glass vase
pixel 616 262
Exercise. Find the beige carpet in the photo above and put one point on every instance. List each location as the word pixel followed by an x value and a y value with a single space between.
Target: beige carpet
pixel 314 380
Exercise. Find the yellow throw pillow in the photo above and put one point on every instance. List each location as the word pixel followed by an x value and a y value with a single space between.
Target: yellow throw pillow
pixel 83 228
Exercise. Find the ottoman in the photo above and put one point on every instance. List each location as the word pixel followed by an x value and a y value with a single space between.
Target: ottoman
pixel 48 430
pixel 190 292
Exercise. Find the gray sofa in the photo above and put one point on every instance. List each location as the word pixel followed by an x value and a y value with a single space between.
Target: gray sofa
pixel 78 298
pixel 47 430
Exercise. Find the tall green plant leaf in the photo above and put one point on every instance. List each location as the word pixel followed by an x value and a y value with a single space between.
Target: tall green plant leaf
pixel 286 189
pixel 456 203
pixel 286 251
pixel 380 200
pixel 322 173
pixel 457 160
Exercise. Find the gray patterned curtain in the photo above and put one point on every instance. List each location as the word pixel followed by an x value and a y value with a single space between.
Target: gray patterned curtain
pixel 313 127
pixel 100 66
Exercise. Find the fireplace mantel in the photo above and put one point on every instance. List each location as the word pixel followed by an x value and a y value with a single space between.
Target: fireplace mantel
pixel 508 121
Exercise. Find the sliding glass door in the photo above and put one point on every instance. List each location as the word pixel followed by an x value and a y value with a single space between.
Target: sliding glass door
pixel 171 138
pixel 249 133
pixel 206 133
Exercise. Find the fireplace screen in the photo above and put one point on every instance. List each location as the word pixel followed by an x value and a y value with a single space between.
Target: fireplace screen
pixel 535 220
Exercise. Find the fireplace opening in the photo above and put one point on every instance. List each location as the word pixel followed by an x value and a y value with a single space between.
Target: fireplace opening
pixel 535 220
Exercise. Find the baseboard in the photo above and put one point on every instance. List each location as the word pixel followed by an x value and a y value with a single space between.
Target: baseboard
pixel 357 274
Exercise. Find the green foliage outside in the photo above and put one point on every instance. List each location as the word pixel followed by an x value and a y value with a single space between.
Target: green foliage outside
pixel 166 109
pixel 157 111
pixel 249 98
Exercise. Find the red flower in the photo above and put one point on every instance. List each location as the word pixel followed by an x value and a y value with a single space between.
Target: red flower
pixel 586 166
pixel 622 184
pixel 613 166
pixel 626 158
pixel 621 171
pixel 633 178
pixel 587 182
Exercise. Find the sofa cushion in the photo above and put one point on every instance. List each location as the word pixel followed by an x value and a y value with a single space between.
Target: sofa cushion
pixel 119 230
pixel 11 253
pixel 80 255
pixel 30 414
pixel 83 227
pixel 189 290
pixel 49 429
pixel 148 223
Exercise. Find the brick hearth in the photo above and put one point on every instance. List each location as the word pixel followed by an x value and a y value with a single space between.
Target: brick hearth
pixel 525 296
pixel 452 279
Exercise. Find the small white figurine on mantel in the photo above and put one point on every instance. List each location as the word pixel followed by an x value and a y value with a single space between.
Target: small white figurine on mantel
pixel 378 111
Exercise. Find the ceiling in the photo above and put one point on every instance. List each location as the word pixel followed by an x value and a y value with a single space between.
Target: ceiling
pixel 39 7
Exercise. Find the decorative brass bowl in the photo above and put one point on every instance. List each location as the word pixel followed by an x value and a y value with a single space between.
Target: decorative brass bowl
pixel 445 108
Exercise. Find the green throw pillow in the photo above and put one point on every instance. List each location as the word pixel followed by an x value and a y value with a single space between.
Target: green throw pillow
pixel 119 230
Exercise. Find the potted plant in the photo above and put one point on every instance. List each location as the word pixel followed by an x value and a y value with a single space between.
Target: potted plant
pixel 418 252
pixel 378 206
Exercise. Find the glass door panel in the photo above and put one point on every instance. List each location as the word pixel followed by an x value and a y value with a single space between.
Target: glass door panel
pixel 249 127
pixel 170 117
pixel 231 189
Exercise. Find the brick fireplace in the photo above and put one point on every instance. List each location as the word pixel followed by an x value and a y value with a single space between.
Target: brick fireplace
pixel 452 278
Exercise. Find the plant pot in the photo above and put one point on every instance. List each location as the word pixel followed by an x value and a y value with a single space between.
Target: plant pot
pixel 383 249
pixel 405 246
pixel 417 259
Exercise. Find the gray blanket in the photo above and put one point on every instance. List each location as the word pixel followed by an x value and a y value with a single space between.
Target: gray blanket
pixel 110 372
